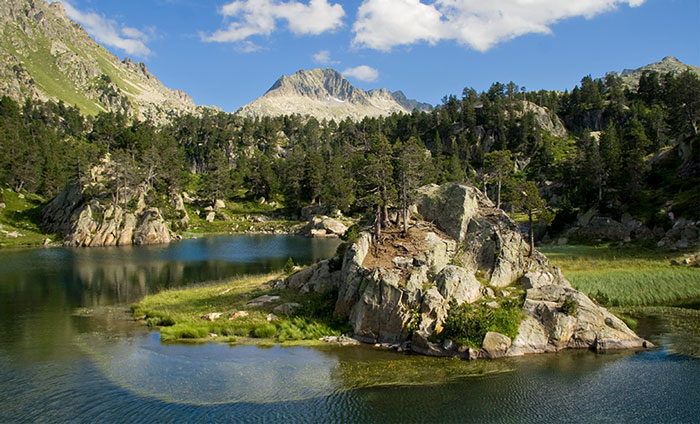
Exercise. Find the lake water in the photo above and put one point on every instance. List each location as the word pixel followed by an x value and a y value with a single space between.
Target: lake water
pixel 68 353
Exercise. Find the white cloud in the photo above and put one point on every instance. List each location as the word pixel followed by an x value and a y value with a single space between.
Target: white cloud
pixel 362 73
pixel 324 58
pixel 106 31
pixel 259 17
pixel 383 24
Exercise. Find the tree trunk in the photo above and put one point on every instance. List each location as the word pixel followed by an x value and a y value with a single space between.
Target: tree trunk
pixel 378 223
pixel 498 195
pixel 532 234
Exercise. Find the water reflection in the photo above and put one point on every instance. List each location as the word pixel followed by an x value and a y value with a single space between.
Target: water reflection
pixel 69 355
pixel 40 289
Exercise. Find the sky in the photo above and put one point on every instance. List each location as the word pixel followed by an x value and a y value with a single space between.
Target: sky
pixel 228 53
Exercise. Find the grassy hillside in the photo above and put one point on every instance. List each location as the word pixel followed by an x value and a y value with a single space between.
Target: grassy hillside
pixel 19 220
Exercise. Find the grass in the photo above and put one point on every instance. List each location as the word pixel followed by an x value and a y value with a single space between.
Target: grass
pixel 21 215
pixel 178 313
pixel 627 276
pixel 42 66
pixel 467 324
pixel 240 221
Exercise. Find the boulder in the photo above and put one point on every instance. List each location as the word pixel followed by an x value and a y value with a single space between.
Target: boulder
pixel 210 216
pixel 450 206
pixel 456 283
pixel 323 226
pixel 211 316
pixel 239 314
pixel 495 345
pixel 261 300
pixel 219 204
pixel 286 308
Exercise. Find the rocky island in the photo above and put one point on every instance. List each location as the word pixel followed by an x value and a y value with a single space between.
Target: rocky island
pixel 460 283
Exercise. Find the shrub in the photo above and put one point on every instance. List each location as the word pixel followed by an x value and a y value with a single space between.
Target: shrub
pixel 569 306
pixel 352 234
pixel 265 331
pixel 289 266
pixel 468 324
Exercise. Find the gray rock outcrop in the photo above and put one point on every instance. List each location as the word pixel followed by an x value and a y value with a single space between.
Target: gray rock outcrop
pixel 400 289
pixel 96 220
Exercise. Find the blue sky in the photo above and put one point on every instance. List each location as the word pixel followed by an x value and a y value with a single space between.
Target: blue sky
pixel 228 53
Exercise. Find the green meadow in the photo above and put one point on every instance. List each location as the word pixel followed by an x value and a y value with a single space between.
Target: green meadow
pixel 628 276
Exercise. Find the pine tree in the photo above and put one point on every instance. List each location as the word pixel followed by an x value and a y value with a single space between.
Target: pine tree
pixel 410 161
pixel 499 166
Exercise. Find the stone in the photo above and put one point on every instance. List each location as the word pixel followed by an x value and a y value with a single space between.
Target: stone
pixel 456 283
pixel 495 344
pixel 450 206
pixel 272 317
pixel 211 316
pixel 210 216
pixel 239 314
pixel 324 226
pixel 261 300
pixel 2 205
pixel 402 261
pixel 219 204
pixel 286 308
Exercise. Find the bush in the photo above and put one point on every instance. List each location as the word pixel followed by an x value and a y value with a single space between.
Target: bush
pixel 265 331
pixel 468 324
pixel 352 234
pixel 289 266
pixel 569 306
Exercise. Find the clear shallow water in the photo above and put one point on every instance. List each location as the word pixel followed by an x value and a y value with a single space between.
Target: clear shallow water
pixel 67 353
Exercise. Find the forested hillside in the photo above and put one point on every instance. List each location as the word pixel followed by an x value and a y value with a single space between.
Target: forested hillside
pixel 608 145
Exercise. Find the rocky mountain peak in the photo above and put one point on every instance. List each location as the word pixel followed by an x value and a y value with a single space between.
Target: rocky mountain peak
pixel 326 94
pixel 668 64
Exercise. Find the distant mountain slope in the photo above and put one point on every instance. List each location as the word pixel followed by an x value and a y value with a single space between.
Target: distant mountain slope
pixel 667 64
pixel 45 55
pixel 326 94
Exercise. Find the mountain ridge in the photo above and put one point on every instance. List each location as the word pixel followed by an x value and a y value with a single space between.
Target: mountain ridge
pixel 325 93
pixel 47 56
pixel 631 77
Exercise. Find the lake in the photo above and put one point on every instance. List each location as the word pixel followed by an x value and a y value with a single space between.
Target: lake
pixel 69 353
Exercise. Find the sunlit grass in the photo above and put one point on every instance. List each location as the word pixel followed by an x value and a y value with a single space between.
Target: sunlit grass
pixel 21 216
pixel 178 313
pixel 627 276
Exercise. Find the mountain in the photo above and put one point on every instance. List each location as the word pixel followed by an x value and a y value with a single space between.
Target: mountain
pixel 44 55
pixel 668 64
pixel 326 94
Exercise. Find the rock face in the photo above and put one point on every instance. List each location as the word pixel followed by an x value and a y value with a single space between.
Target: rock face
pixel 400 289
pixel 86 221
pixel 326 94
pixel 36 34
